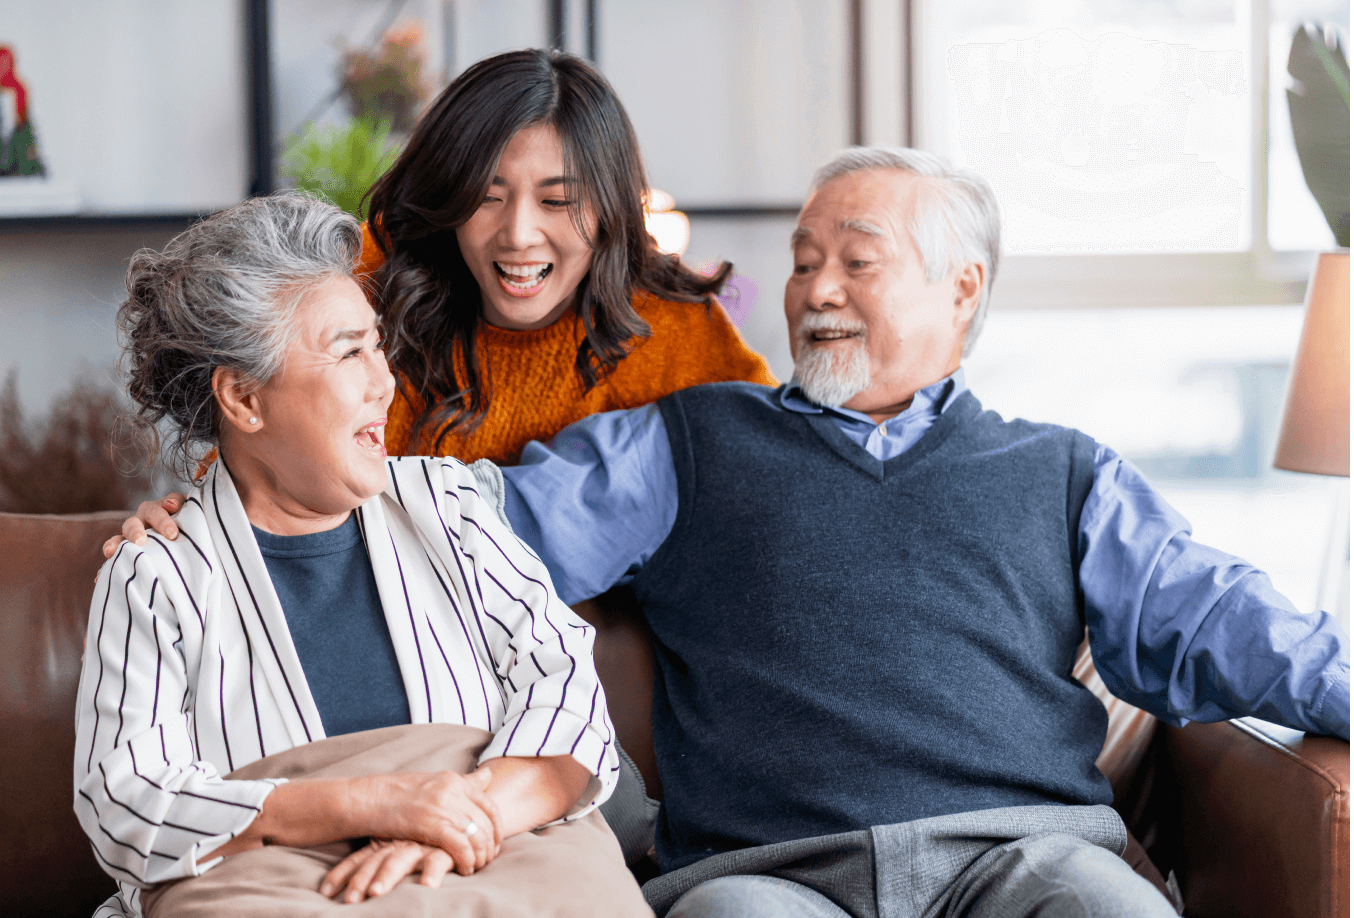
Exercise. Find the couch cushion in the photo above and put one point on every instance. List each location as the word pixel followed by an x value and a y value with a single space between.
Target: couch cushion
pixel 623 653
pixel 47 570
pixel 1129 733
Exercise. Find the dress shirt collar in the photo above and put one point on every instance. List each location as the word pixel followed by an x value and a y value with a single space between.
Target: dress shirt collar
pixel 932 400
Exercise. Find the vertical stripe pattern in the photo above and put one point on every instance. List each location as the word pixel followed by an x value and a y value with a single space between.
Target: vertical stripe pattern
pixel 190 670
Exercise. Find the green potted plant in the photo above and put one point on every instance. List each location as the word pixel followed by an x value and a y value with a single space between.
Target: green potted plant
pixel 384 88
pixel 1318 105
pixel 340 162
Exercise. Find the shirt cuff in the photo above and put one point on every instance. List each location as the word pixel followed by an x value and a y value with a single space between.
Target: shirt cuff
pixel 566 734
pixel 489 479
pixel 1332 710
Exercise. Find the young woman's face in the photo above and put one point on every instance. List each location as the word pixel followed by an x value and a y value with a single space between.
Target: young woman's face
pixel 521 244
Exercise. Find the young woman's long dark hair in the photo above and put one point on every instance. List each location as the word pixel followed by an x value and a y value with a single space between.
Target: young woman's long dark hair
pixel 428 297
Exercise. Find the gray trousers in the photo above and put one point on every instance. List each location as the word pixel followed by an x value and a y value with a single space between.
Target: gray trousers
pixel 1046 861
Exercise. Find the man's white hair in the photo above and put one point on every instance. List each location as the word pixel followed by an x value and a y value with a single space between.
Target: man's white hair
pixel 956 220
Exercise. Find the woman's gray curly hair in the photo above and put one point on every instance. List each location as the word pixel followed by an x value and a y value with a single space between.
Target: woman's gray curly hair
pixel 223 293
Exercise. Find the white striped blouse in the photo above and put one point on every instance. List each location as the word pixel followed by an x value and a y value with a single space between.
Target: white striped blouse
pixel 190 671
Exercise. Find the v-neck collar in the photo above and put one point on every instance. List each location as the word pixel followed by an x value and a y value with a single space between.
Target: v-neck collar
pixel 965 406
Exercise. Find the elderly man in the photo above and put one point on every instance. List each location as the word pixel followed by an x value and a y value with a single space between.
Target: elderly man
pixel 867 595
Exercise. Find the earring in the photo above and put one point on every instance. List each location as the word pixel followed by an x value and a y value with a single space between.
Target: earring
pixel 253 420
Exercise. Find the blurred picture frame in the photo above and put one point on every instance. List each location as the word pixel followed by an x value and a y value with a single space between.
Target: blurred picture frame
pixel 136 108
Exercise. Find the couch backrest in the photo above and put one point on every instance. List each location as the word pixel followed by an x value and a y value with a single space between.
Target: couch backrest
pixel 47 570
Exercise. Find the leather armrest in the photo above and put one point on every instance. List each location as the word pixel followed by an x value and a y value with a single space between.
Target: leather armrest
pixel 47 574
pixel 1263 821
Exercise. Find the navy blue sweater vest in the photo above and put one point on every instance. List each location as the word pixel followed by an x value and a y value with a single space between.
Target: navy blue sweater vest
pixel 844 642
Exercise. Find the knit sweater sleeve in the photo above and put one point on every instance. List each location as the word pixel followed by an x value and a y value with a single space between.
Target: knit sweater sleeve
pixel 690 344
pixel 737 361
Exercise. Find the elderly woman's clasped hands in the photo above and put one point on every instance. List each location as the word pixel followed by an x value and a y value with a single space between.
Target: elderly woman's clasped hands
pixel 453 819
pixel 425 823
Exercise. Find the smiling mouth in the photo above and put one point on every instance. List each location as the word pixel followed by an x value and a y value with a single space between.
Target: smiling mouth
pixel 372 438
pixel 523 278
pixel 832 335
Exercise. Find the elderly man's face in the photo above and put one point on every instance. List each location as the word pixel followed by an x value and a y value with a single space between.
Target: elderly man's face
pixel 866 328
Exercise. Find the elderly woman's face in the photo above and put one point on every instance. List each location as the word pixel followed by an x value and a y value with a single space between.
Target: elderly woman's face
pixel 324 414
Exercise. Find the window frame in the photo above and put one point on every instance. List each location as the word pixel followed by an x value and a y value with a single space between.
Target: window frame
pixel 1256 276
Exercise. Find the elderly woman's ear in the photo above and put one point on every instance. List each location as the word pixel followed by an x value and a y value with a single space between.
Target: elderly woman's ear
pixel 238 399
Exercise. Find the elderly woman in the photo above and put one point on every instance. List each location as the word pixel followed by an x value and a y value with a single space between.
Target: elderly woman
pixel 320 590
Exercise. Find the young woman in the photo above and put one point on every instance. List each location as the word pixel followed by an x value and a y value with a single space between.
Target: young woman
pixel 519 289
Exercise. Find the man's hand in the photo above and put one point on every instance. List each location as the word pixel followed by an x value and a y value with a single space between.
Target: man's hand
pixel 374 870
pixel 156 515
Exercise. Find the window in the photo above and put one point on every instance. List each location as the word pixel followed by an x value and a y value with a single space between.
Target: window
pixel 1196 411
pixel 1102 127
pixel 1143 159
pixel 1123 132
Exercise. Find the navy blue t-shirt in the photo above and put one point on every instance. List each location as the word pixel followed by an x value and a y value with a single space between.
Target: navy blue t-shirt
pixel 329 597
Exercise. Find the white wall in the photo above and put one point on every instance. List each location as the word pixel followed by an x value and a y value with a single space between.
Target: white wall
pixel 734 103
pixel 59 290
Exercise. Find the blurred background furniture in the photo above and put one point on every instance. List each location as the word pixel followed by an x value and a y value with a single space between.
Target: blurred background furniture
pixel 1252 819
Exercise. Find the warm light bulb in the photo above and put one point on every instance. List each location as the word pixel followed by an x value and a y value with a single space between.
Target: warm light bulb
pixel 669 228
pixel 655 202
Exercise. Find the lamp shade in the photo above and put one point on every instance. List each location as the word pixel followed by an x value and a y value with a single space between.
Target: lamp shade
pixel 1315 435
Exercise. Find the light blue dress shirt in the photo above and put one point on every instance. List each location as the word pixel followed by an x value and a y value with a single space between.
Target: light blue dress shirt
pixel 1178 629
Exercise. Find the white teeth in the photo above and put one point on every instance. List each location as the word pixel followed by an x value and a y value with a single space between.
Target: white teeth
pixel 523 270
pixel 374 437
pixel 523 277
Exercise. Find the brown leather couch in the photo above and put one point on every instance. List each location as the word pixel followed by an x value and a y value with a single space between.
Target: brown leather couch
pixel 1252 819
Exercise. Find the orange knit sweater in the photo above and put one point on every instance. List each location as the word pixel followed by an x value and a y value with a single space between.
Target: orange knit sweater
pixel 535 391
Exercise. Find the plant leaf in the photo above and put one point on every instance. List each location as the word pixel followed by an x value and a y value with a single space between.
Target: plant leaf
pixel 340 162
pixel 1320 118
